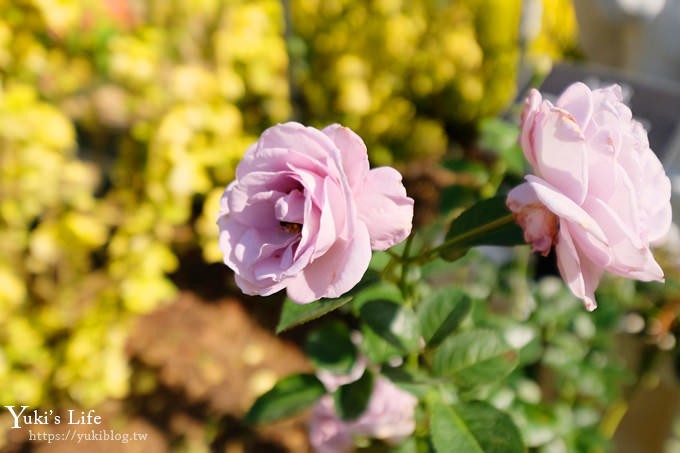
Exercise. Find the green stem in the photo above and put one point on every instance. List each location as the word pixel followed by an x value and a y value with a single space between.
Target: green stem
pixel 407 248
pixel 385 273
pixel 412 361
pixel 405 260
pixel 412 358
pixel 393 254
pixel 429 255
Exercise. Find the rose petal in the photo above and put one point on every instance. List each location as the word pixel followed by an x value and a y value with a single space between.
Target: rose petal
pixel 290 207
pixel 390 414
pixel 629 260
pixel 577 100
pixel 565 208
pixel 538 223
pixel 294 136
pixel 335 272
pixel 581 276
pixel 531 108
pixel 327 234
pixel 327 433
pixel 562 157
pixel 353 153
pixel 384 207
pixel 655 196
pixel 605 168
pixel 258 288
pixel 623 205
pixel 256 212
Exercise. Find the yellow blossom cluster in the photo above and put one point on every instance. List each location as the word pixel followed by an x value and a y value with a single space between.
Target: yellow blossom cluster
pixel 400 72
pixel 119 121
pixel 404 74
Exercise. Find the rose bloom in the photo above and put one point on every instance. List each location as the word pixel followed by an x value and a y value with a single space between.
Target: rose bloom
pixel 334 381
pixel 599 194
pixel 327 433
pixel 305 211
pixel 389 416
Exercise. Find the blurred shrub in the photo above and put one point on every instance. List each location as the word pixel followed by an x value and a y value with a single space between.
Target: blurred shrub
pixel 400 72
pixel 116 123
pixel 558 35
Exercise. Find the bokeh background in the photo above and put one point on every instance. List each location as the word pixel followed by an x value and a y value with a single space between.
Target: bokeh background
pixel 121 122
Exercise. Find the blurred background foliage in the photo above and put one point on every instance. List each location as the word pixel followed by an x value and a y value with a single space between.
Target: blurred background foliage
pixel 121 122
pixel 405 75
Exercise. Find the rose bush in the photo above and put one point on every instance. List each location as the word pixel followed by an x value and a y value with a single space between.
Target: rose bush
pixel 305 211
pixel 599 193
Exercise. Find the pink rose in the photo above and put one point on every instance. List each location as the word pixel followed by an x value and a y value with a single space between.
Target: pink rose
pixel 599 193
pixel 327 433
pixel 305 211
pixel 390 416
pixel 333 381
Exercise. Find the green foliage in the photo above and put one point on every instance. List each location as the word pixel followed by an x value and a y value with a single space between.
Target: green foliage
pixel 475 357
pixel 289 396
pixel 393 323
pixel 330 347
pixel 442 313
pixel 352 399
pixel 488 222
pixel 293 314
pixel 501 138
pixel 389 329
pixel 473 427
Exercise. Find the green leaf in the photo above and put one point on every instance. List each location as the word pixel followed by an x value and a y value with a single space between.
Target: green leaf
pixel 394 323
pixel 383 290
pixel 289 396
pixel 449 432
pixel 331 348
pixel 475 427
pixel 500 137
pixel 456 196
pixel 474 358
pixel 377 349
pixel 476 172
pixel 488 222
pixel 409 445
pixel 441 313
pixel 294 314
pixel 416 382
pixel 352 399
